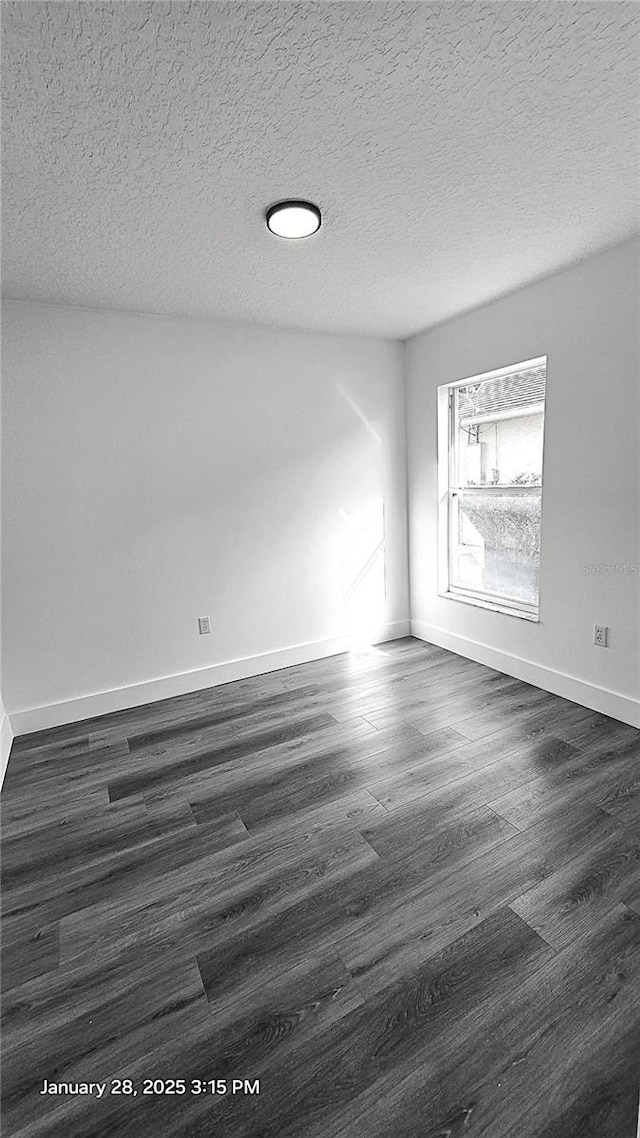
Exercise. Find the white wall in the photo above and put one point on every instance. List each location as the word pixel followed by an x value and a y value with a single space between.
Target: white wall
pixel 158 469
pixel 585 320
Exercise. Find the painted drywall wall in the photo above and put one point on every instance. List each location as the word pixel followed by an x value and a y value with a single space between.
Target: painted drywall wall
pixel 585 320
pixel 160 469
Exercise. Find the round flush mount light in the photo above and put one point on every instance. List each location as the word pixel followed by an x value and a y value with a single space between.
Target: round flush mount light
pixel 293 219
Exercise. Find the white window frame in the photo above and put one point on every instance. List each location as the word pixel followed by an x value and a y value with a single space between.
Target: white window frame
pixel 448 490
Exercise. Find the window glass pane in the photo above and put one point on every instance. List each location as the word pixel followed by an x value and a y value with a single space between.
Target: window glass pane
pixel 496 543
pixel 501 452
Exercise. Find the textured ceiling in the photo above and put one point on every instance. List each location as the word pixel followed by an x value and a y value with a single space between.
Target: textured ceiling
pixel 457 150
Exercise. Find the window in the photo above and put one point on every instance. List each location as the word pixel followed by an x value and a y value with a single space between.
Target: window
pixel 491 430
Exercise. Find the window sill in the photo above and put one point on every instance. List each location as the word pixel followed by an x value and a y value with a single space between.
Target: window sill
pixel 494 606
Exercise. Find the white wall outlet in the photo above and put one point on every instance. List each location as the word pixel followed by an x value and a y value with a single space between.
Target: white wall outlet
pixel 600 632
pixel 204 625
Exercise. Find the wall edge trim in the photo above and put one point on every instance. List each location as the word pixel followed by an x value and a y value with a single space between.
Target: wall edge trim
pixel 94 704
pixel 6 739
pixel 607 702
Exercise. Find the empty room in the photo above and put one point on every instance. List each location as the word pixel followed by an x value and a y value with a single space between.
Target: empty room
pixel 320 622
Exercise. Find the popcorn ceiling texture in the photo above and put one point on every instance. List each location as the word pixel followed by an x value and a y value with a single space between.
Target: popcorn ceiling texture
pixel 458 150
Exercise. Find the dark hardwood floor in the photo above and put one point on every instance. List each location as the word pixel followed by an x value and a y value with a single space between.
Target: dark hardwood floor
pixel 397 888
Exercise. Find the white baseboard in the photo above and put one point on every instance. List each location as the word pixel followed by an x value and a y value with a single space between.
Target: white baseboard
pixel 6 739
pixel 135 695
pixel 393 631
pixel 569 687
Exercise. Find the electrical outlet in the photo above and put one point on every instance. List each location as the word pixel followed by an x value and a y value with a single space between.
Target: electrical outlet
pixel 204 625
pixel 600 635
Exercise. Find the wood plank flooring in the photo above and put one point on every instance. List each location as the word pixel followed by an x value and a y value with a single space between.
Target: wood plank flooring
pixel 396 891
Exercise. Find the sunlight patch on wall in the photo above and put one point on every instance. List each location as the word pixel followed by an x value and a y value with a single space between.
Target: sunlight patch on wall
pixel 358 412
pixel 363 575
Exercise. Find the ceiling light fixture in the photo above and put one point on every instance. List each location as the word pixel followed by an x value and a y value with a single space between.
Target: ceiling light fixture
pixel 293 219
